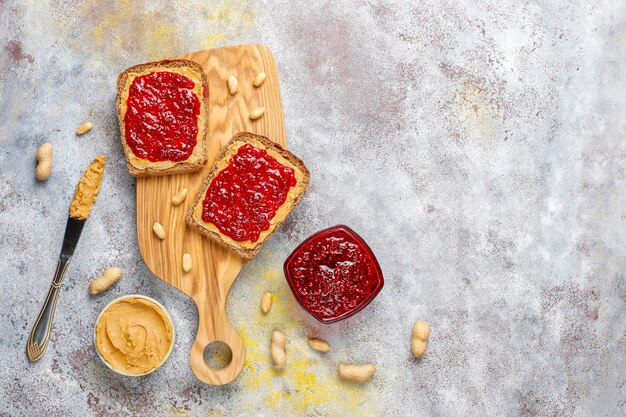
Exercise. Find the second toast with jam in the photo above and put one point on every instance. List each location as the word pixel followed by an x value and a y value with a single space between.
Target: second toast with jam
pixel 251 189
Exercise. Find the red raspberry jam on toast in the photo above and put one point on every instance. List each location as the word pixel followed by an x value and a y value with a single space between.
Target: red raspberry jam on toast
pixel 243 197
pixel 161 121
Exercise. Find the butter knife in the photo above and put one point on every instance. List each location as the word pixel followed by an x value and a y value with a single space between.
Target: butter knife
pixel 85 195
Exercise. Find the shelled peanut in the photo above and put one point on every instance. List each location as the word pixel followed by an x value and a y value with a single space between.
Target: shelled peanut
pixel 319 345
pixel 233 84
pixel 179 197
pixel 259 79
pixel 187 262
pixel 266 302
pixel 84 128
pixel 158 230
pixel 257 113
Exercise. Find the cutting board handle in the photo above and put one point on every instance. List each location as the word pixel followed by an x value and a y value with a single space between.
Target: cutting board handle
pixel 213 326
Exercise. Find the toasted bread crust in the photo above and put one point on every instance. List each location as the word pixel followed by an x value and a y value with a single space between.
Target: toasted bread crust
pixel 202 130
pixel 268 144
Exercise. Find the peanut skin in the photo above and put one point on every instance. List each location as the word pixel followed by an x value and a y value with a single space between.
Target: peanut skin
pixel 109 277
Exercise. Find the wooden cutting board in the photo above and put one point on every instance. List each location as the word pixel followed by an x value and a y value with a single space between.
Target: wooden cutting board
pixel 214 268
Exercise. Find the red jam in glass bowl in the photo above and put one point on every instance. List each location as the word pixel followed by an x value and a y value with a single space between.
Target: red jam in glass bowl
pixel 333 274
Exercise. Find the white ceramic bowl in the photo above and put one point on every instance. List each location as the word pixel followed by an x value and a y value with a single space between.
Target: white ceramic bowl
pixel 167 314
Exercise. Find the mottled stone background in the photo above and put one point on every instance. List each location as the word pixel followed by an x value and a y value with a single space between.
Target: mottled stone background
pixel 479 148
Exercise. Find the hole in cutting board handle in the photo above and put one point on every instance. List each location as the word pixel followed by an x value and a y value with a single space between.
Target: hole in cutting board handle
pixel 218 355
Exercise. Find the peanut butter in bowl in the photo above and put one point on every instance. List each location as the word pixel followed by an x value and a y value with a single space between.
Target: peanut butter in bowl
pixel 134 335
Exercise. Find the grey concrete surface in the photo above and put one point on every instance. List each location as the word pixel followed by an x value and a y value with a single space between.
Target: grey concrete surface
pixel 478 147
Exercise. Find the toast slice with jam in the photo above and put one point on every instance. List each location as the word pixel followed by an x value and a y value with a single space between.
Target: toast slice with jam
pixel 251 189
pixel 163 114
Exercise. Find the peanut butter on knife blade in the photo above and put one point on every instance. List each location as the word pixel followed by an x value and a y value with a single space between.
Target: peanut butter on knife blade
pixel 87 189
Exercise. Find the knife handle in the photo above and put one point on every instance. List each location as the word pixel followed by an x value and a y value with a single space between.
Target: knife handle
pixel 39 336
